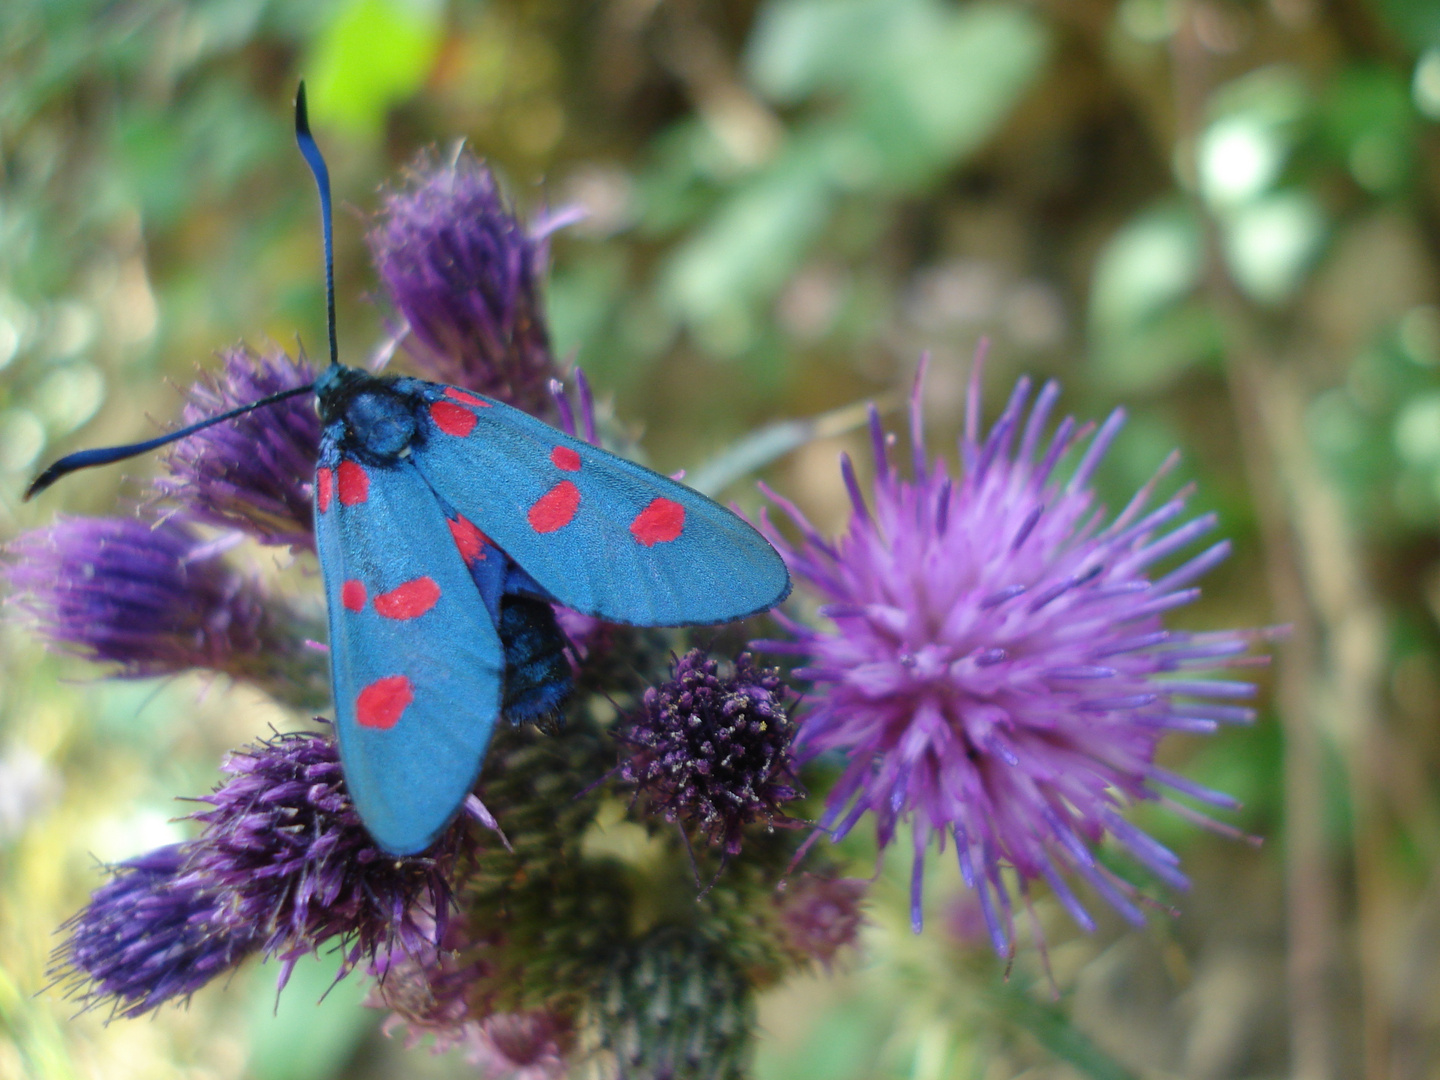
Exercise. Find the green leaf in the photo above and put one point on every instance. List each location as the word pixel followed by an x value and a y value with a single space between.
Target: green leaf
pixel 1417 430
pixel 1370 121
pixel 1271 243
pixel 950 78
pixel 923 83
pixel 1416 21
pixel 1152 263
pixel 1053 1030
pixel 801 46
pixel 752 243
pixel 581 298
pixel 1144 330
pixel 1154 355
pixel 375 53
pixel 1255 122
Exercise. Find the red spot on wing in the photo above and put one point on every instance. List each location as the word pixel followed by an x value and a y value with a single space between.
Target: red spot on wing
pixel 555 508
pixel 565 458
pixel 352 595
pixel 410 600
pixel 453 419
pixel 465 396
pixel 324 487
pixel 352 483
pixel 660 522
pixel 380 704
pixel 468 539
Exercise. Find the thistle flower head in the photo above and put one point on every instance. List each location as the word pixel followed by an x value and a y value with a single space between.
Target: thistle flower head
pixel 282 866
pixel 465 275
pixel 997 669
pixel 505 1046
pixel 575 418
pixel 712 752
pixel 284 845
pixel 427 990
pixel 820 915
pixel 253 473
pixel 148 596
pixel 149 935
pixel 522 1046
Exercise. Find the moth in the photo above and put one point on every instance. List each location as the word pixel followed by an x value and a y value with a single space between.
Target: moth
pixel 447 523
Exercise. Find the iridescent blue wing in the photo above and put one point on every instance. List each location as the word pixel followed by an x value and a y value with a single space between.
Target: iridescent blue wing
pixel 415 660
pixel 601 534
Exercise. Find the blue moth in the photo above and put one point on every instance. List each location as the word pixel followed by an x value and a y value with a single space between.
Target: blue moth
pixel 447 524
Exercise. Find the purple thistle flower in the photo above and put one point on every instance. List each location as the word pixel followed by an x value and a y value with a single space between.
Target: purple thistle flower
pixel 254 473
pixel 998 670
pixel 712 752
pixel 820 915
pixel 505 1046
pixel 154 599
pixel 283 866
pixel 431 991
pixel 150 935
pixel 428 990
pixel 466 276
pixel 522 1046
pixel 284 845
pixel 582 426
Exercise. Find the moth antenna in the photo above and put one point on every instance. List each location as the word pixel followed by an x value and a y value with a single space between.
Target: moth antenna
pixel 105 455
pixel 85 459
pixel 311 152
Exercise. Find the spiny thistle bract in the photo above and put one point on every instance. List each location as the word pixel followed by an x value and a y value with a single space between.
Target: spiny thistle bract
pixel 990 673
pixel 673 1005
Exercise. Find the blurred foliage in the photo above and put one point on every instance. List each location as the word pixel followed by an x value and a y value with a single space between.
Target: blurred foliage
pixel 1169 203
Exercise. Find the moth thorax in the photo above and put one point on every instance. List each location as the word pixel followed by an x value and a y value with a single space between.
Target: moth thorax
pixel 382 422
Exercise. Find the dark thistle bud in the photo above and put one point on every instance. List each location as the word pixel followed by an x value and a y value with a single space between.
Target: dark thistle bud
pixel 149 935
pixel 254 473
pixel 675 1006
pixel 713 752
pixel 466 276
pixel 155 599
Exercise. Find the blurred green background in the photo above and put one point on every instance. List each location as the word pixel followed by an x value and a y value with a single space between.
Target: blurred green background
pixel 1224 215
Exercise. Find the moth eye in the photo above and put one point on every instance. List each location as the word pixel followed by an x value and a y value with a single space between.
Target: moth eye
pixel 315 404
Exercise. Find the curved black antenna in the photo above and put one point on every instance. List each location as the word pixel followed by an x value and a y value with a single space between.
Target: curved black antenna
pixel 316 161
pixel 84 459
